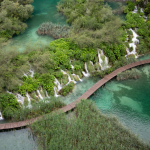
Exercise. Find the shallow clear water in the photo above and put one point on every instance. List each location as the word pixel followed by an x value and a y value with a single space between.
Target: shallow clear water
pixel 129 101
pixel 79 89
pixel 43 11
pixel 17 140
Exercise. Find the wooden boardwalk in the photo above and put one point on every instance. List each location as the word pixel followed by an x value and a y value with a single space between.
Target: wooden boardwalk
pixel 86 95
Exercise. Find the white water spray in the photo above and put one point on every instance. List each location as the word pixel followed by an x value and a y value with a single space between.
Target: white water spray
pixel 1 117
pixel 104 65
pixel 69 78
pixel 133 44
pixel 135 10
pixel 55 92
pixel 79 78
pixel 47 95
pixel 29 100
pixel 58 84
pixel 86 74
pixel 39 94
pixel 32 73
pixel 20 98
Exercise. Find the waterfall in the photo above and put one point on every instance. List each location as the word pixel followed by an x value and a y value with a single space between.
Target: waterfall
pixel 135 10
pixel 58 84
pixel 47 95
pixel 9 92
pixel 55 92
pixel 20 98
pixel 104 65
pixel 29 100
pixel 133 44
pixel 25 74
pixel 100 60
pixel 39 94
pixel 1 117
pixel 32 73
pixel 91 63
pixel 79 78
pixel 86 74
pixel 69 78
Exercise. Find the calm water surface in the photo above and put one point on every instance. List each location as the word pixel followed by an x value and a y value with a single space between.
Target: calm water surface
pixel 129 101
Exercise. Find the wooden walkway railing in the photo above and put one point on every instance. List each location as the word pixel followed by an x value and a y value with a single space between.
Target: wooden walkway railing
pixel 86 95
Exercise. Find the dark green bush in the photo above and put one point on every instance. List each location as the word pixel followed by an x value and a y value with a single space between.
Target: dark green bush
pixel 66 89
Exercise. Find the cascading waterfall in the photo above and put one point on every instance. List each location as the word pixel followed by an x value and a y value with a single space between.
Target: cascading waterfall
pixel 58 84
pixel 69 78
pixel 47 95
pixel 55 92
pixel 133 44
pixel 20 98
pixel 100 60
pixel 1 117
pixel 91 63
pixel 104 65
pixel 86 74
pixel 25 74
pixel 74 74
pixel 135 10
pixel 32 73
pixel 79 78
pixel 39 94
pixel 29 100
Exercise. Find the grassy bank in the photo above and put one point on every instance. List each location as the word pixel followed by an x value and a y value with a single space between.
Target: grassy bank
pixel 88 129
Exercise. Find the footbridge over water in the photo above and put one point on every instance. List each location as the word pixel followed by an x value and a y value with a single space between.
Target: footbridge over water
pixel 86 95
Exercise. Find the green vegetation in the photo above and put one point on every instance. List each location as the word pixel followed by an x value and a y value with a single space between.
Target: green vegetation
pixel 13 13
pixel 55 30
pixel 87 129
pixel 66 89
pixel 136 21
pixel 129 74
pixel 92 23
pixel 8 104
pixel 23 113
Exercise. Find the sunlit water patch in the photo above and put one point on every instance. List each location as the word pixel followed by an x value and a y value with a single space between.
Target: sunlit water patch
pixel 79 89
pixel 129 101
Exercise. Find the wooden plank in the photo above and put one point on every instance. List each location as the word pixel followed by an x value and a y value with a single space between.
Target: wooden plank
pixel 2 126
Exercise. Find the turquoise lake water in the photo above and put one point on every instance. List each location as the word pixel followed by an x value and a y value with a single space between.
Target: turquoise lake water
pixel 129 101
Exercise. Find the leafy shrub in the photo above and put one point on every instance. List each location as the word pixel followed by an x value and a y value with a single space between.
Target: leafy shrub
pixel 129 74
pixel 131 5
pixel 8 104
pixel 66 89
